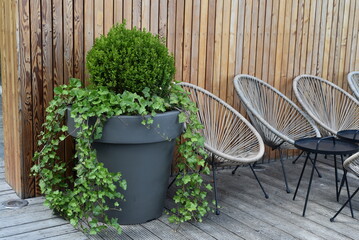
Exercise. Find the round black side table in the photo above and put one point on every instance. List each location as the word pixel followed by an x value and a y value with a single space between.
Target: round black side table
pixel 349 135
pixel 327 146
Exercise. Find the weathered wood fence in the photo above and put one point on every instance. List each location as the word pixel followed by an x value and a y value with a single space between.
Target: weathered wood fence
pixel 44 42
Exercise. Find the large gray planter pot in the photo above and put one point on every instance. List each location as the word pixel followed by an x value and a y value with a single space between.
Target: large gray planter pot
pixel 143 154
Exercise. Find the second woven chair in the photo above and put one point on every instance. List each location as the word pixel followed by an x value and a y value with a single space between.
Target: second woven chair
pixel 229 138
pixel 353 80
pixel 279 121
pixel 332 108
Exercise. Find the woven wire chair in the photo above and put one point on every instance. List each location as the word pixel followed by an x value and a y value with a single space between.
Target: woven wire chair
pixel 353 80
pixel 278 120
pixel 230 139
pixel 332 108
pixel 352 165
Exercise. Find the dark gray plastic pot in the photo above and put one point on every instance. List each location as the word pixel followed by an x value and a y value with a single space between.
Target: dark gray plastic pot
pixel 143 154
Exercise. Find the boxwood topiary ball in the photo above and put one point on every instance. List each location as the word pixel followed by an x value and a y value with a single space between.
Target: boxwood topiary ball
pixel 131 59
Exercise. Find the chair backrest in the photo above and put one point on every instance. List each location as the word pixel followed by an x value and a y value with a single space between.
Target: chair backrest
pixel 276 117
pixel 227 133
pixel 332 108
pixel 352 164
pixel 353 80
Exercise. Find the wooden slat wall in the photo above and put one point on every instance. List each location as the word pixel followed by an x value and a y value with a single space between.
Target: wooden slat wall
pixel 212 41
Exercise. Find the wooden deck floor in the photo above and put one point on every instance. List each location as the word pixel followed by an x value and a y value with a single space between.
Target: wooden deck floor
pixel 245 213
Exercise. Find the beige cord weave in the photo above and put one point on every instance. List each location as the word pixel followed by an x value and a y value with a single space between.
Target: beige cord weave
pixel 279 121
pixel 353 80
pixel 331 107
pixel 352 164
pixel 227 134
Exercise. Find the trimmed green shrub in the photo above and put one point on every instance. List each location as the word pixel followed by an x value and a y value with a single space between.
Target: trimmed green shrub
pixel 131 60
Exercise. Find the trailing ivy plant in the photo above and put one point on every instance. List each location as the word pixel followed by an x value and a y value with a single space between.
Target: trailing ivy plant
pixel 82 197
pixel 131 72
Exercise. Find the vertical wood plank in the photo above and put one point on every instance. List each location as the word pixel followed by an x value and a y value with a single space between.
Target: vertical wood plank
pixel 162 27
pixel 217 48
pixel 127 12
pixel 353 55
pixel 68 40
pixel 253 42
pixel 37 80
pixel 247 36
pixel 99 21
pixel 108 15
pixel 79 39
pixel 333 44
pixel 16 158
pixel 154 16
pixel 318 11
pixel 348 44
pixel 202 43
pixel 260 38
pixel 356 57
pixel 267 40
pixel 179 39
pixel 171 25
pixel 327 41
pixel 319 67
pixel 290 60
pixel 58 47
pixel 286 42
pixel 311 30
pixel 210 44
pixel 145 14
pixel 232 51
pixel 343 43
pixel 239 50
pixel 303 54
pixel 337 52
pixel 136 13
pixel 118 11
pixel 223 80
pixel 279 52
pixel 187 41
pixel 88 29
pixel 195 41
pixel 273 44
pixel 47 51
pixel 68 67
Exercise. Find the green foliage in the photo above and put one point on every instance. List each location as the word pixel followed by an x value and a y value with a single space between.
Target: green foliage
pixel 82 198
pixel 131 60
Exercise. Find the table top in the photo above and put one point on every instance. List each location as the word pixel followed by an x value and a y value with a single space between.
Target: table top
pixel 328 145
pixel 350 135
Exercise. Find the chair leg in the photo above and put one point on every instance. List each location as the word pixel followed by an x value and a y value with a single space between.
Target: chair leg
pixel 347 185
pixel 255 175
pixel 284 174
pixel 316 169
pixel 309 186
pixel 336 177
pixel 234 171
pixel 295 160
pixel 349 199
pixel 301 175
pixel 215 184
